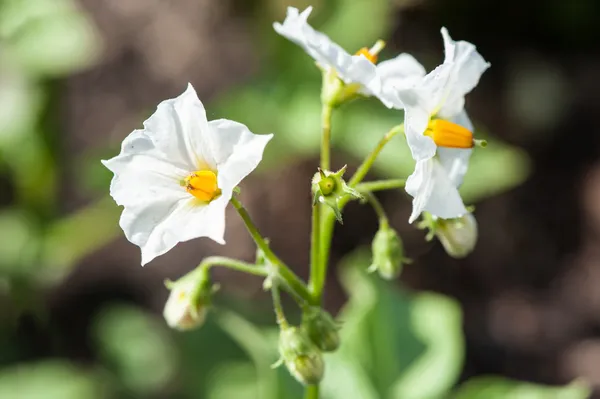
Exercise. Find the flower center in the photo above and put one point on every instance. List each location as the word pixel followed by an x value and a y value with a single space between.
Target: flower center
pixel 202 184
pixel 371 53
pixel 449 134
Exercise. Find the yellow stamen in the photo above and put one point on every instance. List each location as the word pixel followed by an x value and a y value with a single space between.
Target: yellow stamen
pixel 371 53
pixel 202 184
pixel 449 134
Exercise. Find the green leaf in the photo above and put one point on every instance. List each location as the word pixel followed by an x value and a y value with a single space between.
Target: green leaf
pixel 51 379
pixel 70 239
pixel 393 345
pixel 234 380
pixel 48 38
pixel 135 346
pixel 437 321
pixel 261 350
pixel 500 388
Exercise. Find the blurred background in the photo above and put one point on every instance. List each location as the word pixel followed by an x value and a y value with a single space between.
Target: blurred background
pixel 79 317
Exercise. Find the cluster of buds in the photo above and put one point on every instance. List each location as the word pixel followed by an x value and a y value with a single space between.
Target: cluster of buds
pixel 329 188
pixel 301 348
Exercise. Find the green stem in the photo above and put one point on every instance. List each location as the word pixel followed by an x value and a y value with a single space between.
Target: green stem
pixel 361 172
pixel 377 207
pixel 380 185
pixel 293 282
pixel 281 320
pixel 315 262
pixel 326 136
pixel 364 168
pixel 233 264
pixel 311 392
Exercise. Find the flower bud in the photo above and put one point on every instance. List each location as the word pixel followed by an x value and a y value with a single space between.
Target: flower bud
pixel 388 253
pixel 329 188
pixel 458 236
pixel 322 329
pixel 187 303
pixel 300 355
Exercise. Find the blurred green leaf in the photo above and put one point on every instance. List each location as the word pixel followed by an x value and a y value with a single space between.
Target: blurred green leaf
pixel 136 347
pixel 19 243
pixel 359 23
pixel 48 37
pixel 393 345
pixel 72 238
pixel 261 350
pixel 501 388
pixel 20 103
pixel 51 379
pixel 437 321
pixel 234 380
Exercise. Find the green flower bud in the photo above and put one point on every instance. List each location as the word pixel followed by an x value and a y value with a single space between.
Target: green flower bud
pixel 458 236
pixel 301 356
pixel 329 188
pixel 188 301
pixel 388 253
pixel 322 329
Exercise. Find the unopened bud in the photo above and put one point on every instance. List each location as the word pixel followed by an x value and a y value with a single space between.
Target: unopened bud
pixel 329 188
pixel 322 329
pixel 188 301
pixel 388 253
pixel 458 236
pixel 301 356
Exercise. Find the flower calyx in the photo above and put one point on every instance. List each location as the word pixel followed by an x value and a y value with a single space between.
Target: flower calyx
pixel 329 188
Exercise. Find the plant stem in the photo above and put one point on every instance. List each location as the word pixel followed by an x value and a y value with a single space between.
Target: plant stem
pixel 311 392
pixel 364 168
pixel 326 136
pixel 293 282
pixel 281 320
pixel 380 185
pixel 377 207
pixel 361 172
pixel 233 264
pixel 315 262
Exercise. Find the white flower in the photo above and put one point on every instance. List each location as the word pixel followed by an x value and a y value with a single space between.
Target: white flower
pixel 184 309
pixel 436 123
pixel 358 69
pixel 176 176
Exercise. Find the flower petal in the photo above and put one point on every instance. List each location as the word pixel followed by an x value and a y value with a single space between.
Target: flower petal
pixel 236 151
pixel 179 129
pixel 157 226
pixel 433 191
pixel 416 119
pixel 456 162
pixel 142 174
pixel 328 54
pixel 400 73
pixel 467 67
